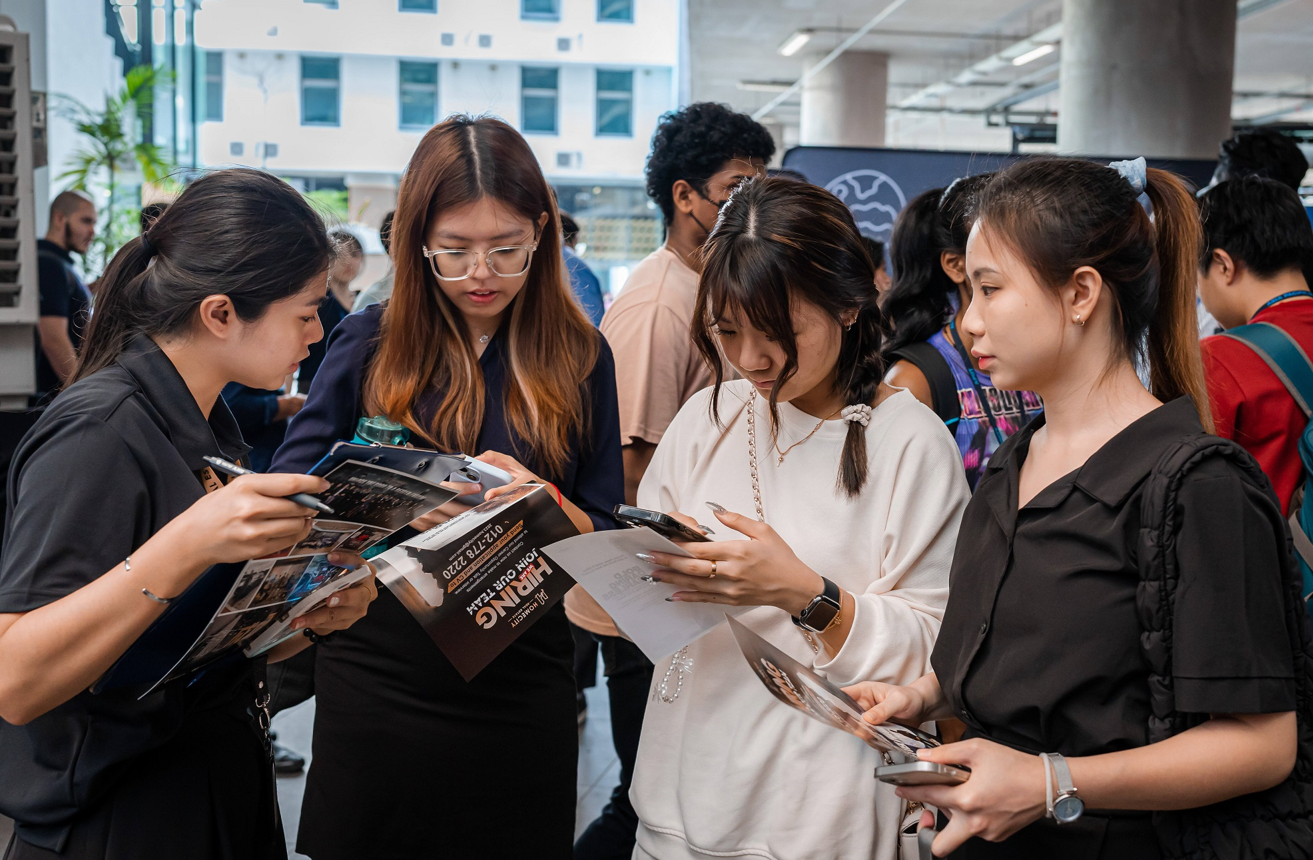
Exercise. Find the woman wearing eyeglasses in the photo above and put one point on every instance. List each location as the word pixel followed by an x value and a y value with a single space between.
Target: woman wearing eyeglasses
pixel 480 349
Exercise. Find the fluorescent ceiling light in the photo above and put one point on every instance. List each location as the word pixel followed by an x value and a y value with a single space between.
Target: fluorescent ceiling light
pixel 794 43
pixel 1034 54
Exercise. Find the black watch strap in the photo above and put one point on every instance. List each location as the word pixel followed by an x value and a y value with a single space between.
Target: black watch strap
pixel 823 609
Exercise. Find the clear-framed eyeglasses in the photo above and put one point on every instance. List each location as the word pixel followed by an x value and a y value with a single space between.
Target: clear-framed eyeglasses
pixel 457 264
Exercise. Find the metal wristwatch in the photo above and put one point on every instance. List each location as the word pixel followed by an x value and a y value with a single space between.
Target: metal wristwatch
pixel 1067 807
pixel 823 611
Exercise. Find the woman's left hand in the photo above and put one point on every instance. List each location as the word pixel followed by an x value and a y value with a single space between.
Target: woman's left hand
pixel 1003 795
pixel 344 607
pixel 519 474
pixel 760 571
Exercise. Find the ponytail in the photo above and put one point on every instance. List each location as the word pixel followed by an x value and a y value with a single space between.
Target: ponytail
pixel 240 233
pixel 1175 366
pixel 777 242
pixel 1059 214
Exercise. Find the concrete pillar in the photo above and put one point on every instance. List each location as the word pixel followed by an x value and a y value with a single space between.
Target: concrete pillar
pixel 844 103
pixel 1146 77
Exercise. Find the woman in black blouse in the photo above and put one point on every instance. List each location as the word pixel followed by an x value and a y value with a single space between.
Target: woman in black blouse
pixel 1040 649
pixel 113 512
pixel 480 349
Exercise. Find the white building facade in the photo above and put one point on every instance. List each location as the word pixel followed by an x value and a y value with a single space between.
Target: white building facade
pixel 336 94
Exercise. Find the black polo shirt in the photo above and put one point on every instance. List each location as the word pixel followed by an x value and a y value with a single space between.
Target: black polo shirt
pixel 62 295
pixel 1040 645
pixel 114 458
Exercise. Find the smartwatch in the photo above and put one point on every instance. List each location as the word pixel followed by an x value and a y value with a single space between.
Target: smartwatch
pixel 823 611
pixel 1067 807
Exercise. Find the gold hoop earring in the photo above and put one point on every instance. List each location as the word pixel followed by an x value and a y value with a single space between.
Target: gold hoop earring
pixel 1079 321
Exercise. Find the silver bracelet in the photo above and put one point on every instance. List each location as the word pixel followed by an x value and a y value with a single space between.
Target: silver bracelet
pixel 164 601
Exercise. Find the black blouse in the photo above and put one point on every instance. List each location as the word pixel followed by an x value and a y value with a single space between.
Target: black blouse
pixel 114 458
pixel 1040 645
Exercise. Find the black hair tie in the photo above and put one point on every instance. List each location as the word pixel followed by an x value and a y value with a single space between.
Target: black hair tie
pixel 146 247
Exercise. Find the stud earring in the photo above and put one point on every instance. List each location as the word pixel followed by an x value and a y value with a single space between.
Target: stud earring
pixel 1079 321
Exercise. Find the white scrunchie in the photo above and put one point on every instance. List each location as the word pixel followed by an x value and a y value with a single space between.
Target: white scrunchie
pixel 859 412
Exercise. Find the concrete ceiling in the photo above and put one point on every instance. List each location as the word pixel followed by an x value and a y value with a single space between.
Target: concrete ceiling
pixel 734 58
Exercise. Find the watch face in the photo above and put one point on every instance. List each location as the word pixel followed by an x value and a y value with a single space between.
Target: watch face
pixel 818 617
pixel 1068 809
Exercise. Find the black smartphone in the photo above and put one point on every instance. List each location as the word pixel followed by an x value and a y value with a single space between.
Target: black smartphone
pixel 663 524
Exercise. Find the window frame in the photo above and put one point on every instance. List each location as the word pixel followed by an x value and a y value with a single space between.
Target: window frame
pixel 602 20
pixel 327 4
pixel 336 87
pixel 403 85
pixel 213 106
pixel 541 93
pixel 554 15
pixel 611 95
pixel 430 9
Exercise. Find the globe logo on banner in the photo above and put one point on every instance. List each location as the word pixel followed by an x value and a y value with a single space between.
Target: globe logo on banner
pixel 874 198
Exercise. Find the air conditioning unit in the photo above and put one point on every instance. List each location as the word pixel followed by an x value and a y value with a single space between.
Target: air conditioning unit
pixel 448 39
pixel 19 289
pixel 236 148
pixel 485 41
pixel 270 150
pixel 563 43
pixel 569 160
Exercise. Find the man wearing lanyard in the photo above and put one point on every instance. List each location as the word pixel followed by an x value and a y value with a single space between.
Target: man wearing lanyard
pixel 1258 245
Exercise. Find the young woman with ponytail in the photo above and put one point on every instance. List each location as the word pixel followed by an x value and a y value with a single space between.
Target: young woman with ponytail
pixel 113 513
pixel 1110 660
pixel 928 351
pixel 831 490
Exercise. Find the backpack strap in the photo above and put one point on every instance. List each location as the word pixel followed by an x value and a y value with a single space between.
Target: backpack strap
pixel 938 375
pixel 1283 355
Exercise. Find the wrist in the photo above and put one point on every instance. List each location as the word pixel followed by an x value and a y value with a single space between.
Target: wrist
pixel 800 597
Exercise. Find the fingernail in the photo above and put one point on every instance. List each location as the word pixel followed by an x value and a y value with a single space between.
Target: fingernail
pixel 296 625
pixel 898 791
pixel 334 601
pixel 717 508
pixel 706 530
pixel 642 556
pixel 672 599
pixel 647 577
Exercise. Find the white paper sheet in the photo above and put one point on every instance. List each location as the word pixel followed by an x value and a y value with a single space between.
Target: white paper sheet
pixel 605 564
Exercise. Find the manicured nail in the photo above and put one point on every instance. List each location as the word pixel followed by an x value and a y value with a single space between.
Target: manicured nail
pixel 296 625
pixel 706 530
pixel 674 598
pixel 647 577
pixel 334 601
pixel 642 556
pixel 717 508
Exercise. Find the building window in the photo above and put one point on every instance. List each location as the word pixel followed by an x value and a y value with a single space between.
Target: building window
pixel 327 4
pixel 615 102
pixel 538 92
pixel 615 10
pixel 419 94
pixel 548 10
pixel 321 90
pixel 214 85
pixel 418 6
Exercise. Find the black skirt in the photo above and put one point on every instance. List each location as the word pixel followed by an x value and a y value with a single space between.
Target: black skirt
pixel 208 794
pixel 1092 837
pixel 411 761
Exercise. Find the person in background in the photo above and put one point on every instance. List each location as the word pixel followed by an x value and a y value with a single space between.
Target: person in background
pixel 822 471
pixel 65 303
pixel 350 256
pixel 381 289
pixel 150 213
pixel 113 513
pixel 875 248
pixel 587 289
pixel 262 416
pixel 700 154
pixel 1121 593
pixel 1257 245
pixel 481 348
pixel 1264 152
pixel 929 353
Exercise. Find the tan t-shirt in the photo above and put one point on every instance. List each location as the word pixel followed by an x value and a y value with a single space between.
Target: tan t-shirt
pixel 657 369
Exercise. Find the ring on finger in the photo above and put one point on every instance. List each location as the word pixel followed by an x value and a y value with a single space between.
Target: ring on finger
pixel 713 569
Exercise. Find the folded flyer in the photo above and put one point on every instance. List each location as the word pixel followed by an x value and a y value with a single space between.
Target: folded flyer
pixel 605 565
pixel 477 582
pixel 802 689
pixel 249 607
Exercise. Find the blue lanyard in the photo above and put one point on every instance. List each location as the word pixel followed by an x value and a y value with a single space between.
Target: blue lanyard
pixel 980 389
pixel 1293 294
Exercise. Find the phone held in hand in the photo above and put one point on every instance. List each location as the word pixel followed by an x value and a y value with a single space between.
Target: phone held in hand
pixel 922 773
pixel 663 524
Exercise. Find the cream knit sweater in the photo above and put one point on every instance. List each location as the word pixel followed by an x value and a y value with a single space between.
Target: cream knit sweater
pixel 726 770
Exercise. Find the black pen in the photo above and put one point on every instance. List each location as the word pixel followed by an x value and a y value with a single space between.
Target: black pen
pixel 303 499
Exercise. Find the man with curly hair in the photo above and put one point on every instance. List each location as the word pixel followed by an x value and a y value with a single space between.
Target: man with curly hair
pixel 700 154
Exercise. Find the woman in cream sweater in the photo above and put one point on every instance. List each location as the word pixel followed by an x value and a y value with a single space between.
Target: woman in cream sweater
pixel 847 494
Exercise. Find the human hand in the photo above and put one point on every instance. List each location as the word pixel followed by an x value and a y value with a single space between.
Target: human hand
pixel 247 518
pixel 519 474
pixel 1003 795
pixel 883 703
pixel 760 571
pixel 446 511
pixel 289 405
pixel 342 608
